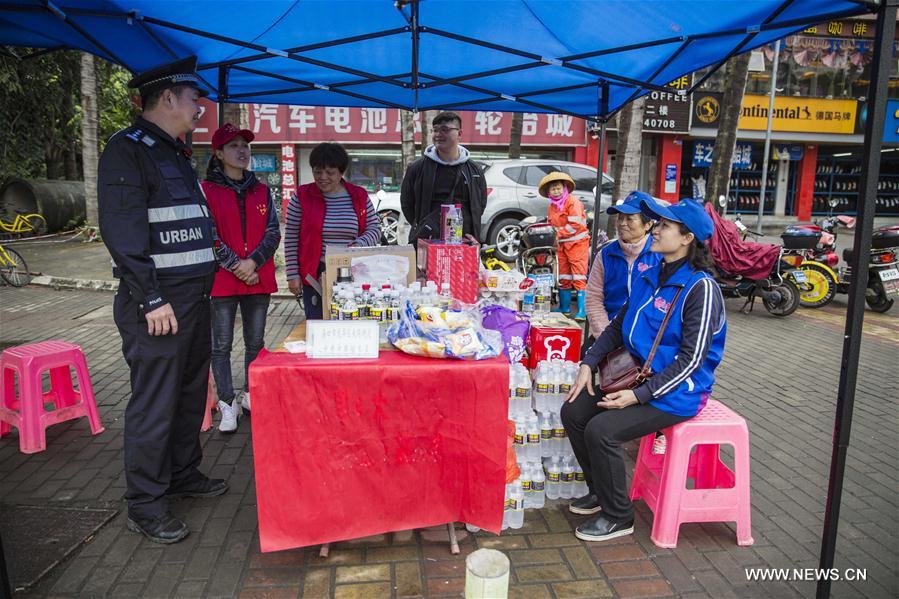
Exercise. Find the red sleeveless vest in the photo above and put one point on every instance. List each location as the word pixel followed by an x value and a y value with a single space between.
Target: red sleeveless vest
pixel 223 206
pixel 312 206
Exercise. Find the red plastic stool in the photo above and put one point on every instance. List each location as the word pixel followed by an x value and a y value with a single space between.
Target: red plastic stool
pixel 719 493
pixel 26 411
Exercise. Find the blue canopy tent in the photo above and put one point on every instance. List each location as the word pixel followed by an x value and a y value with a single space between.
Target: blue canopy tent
pixel 581 58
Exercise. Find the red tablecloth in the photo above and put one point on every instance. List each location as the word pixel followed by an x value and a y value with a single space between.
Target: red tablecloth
pixel 351 448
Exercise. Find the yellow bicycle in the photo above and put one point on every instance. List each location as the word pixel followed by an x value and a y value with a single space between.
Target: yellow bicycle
pixel 13 269
pixel 23 224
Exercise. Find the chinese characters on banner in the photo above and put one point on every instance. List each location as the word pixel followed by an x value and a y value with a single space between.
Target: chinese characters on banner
pixel 703 150
pixel 273 123
pixel 288 174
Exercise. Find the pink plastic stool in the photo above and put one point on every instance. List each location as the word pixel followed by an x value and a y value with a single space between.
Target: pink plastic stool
pixel 719 493
pixel 211 404
pixel 26 412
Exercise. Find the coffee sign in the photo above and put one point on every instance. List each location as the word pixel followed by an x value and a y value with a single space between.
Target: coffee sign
pixel 668 111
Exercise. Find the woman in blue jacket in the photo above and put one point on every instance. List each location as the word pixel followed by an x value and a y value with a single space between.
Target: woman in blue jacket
pixel 684 365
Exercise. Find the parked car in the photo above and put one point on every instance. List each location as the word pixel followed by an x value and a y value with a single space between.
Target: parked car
pixel 511 196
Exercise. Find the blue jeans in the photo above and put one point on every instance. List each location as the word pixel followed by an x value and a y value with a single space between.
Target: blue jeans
pixel 253 309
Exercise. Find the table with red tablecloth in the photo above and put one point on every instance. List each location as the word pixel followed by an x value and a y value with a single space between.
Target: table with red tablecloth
pixel 350 448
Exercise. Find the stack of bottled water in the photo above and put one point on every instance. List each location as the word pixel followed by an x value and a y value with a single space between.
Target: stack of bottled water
pixel 548 467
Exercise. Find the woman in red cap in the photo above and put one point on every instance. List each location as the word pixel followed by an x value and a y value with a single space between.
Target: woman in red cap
pixel 248 233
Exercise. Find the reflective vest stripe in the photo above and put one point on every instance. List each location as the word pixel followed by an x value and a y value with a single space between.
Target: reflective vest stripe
pixel 183 258
pixel 577 237
pixel 570 229
pixel 565 277
pixel 579 277
pixel 578 219
pixel 170 213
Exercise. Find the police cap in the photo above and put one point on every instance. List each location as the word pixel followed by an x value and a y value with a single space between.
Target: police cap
pixel 180 72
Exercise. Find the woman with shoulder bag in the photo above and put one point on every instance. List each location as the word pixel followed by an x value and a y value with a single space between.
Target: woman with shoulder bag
pixel 680 298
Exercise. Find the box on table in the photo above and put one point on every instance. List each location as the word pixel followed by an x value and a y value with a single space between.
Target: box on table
pixel 367 264
pixel 453 263
pixel 555 338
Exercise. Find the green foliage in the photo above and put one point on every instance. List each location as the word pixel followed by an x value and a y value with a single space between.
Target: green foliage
pixel 40 103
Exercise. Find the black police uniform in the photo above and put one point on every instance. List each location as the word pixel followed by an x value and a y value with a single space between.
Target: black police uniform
pixel 156 225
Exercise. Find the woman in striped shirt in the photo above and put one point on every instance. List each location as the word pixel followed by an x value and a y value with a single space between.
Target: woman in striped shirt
pixel 328 211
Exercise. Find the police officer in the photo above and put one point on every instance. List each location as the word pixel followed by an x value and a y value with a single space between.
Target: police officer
pixel 155 223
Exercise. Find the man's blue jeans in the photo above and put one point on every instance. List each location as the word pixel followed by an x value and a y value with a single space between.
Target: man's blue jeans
pixel 253 309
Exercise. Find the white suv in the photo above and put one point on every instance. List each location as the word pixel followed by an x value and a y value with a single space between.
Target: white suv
pixel 511 196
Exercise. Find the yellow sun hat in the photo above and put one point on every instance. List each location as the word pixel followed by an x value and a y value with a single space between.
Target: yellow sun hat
pixel 552 178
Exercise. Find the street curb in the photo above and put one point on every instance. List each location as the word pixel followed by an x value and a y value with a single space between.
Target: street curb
pixel 104 285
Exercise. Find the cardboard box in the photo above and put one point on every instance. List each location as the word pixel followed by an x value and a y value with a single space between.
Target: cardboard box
pixel 557 339
pixel 337 256
pixel 453 263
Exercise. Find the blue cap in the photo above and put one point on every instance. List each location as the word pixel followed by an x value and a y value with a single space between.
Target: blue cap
pixel 690 213
pixel 630 204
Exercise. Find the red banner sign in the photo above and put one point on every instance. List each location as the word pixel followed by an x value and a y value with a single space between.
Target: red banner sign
pixel 274 123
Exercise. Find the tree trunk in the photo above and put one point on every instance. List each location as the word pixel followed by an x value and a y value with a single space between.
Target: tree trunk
pixel 426 128
pixel 515 135
pixel 407 134
pixel 89 128
pixel 718 184
pixel 628 150
pixel 232 115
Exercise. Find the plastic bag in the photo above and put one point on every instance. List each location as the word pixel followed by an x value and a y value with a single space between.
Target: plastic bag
pixel 512 326
pixel 436 333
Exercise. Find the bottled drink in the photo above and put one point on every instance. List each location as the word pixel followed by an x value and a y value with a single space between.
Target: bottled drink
pixel 580 482
pixel 377 311
pixel 516 513
pixel 513 401
pixel 541 387
pixel 533 438
pixel 446 298
pixel 566 488
pixel 527 300
pixel 350 307
pixel 538 486
pixel 336 304
pixel 507 506
pixel 365 300
pixel 553 374
pixel 519 440
pixel 394 309
pixel 553 479
pixel 525 479
pixel 546 434
pixel 565 381
pixel 558 435
pixel 522 389
pixel 540 299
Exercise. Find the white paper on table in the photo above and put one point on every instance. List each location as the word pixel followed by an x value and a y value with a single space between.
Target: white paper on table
pixel 295 347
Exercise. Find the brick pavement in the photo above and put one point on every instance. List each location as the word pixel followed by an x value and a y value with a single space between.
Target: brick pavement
pixel 781 374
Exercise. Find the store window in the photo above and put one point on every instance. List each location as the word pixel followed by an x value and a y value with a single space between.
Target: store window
pixel 375 169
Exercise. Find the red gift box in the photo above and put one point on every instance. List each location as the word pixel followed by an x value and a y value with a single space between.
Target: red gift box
pixel 453 263
pixel 557 342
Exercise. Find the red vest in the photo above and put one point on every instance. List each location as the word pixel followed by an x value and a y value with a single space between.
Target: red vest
pixel 223 206
pixel 313 208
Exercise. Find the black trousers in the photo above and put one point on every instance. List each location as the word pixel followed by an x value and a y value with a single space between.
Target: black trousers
pixel 169 380
pixel 596 436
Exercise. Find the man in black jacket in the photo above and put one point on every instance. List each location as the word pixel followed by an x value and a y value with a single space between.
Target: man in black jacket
pixel 444 175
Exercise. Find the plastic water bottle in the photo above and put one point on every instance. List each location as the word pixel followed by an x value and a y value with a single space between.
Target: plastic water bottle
pixel 522 389
pixel 446 298
pixel 541 387
pixel 527 300
pixel 378 310
pixel 519 443
pixel 566 488
pixel 558 436
pixel 555 380
pixel 516 513
pixel 580 482
pixel 350 307
pixel 507 506
pixel 553 479
pixel 566 382
pixel 365 300
pixel 533 438
pixel 546 435
pixel 538 486
pixel 513 403
pixel 525 480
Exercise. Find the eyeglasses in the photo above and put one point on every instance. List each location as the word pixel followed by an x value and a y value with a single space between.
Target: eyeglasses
pixel 445 130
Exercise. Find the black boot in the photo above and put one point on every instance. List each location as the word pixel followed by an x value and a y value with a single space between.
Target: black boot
pixel 165 529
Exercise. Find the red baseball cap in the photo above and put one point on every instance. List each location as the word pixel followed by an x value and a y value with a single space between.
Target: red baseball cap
pixel 227 132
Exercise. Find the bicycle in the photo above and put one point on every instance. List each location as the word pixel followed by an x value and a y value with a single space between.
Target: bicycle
pixel 24 223
pixel 13 269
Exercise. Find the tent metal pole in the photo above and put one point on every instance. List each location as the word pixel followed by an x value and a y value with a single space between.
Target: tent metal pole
pixel 223 93
pixel 416 39
pixel 766 153
pixel 597 195
pixel 877 98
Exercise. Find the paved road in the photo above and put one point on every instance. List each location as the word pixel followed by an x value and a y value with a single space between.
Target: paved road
pixel 781 374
